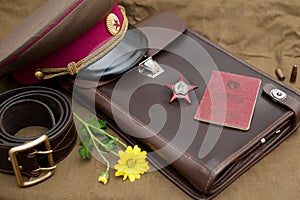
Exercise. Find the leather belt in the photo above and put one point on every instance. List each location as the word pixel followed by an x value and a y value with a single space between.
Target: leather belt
pixel 34 156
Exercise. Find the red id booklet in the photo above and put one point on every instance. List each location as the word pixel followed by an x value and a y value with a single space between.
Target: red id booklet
pixel 229 100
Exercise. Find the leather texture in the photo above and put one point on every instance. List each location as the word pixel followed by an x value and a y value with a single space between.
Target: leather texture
pixel 35 106
pixel 204 158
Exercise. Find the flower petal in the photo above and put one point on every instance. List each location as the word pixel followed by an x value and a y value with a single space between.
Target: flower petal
pixel 119 173
pixel 131 178
pixel 125 177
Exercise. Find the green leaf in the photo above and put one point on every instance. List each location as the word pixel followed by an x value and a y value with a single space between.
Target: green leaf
pixel 81 143
pixel 102 124
pixel 109 144
pixel 93 121
pixel 89 145
pixel 105 140
pixel 97 123
pixel 108 147
pixel 84 132
pixel 84 152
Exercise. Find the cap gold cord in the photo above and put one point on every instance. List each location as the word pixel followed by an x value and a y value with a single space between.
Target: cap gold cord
pixel 74 67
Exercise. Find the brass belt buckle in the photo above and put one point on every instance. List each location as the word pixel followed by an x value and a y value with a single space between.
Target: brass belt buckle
pixel 13 158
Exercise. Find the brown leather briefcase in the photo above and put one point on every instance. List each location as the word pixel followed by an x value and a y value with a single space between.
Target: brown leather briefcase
pixel 199 157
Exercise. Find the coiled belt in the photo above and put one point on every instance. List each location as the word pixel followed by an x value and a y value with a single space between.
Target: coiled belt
pixel 34 156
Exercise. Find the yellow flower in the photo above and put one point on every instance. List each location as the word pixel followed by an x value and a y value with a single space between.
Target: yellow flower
pixel 104 176
pixel 132 163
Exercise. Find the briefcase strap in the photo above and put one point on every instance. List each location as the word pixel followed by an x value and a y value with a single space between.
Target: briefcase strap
pixel 283 99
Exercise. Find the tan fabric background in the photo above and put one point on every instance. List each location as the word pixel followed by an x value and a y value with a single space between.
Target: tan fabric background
pixel 265 33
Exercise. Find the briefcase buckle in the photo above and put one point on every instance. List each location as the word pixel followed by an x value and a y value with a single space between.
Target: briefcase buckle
pixel 150 68
pixel 27 146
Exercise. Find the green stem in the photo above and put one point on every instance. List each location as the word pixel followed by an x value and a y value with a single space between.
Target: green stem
pixel 115 153
pixel 102 156
pixel 124 145
pixel 99 130
pixel 94 140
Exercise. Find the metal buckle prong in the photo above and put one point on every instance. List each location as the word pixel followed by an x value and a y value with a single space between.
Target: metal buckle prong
pixel 40 152
pixel 44 169
pixel 27 146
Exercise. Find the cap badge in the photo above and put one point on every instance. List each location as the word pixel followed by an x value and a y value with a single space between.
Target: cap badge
pixel 113 24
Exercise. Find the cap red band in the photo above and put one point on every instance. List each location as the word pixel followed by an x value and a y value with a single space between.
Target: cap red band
pixel 80 48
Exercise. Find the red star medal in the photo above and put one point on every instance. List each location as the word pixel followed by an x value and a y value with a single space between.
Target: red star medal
pixel 180 90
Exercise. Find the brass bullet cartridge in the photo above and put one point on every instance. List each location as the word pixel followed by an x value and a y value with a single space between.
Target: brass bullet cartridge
pixel 279 73
pixel 294 74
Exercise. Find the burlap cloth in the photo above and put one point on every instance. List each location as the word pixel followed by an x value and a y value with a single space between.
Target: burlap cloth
pixel 265 33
